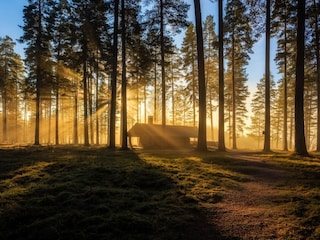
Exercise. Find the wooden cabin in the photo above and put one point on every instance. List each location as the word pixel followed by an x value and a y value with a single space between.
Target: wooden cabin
pixel 158 136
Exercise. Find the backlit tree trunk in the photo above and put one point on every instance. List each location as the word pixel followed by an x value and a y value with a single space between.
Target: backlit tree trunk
pixel 300 143
pixel 267 82
pixel 202 138
pixel 124 141
pixel 112 127
pixel 221 140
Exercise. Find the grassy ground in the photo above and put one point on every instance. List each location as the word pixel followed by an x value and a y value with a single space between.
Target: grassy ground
pixel 94 193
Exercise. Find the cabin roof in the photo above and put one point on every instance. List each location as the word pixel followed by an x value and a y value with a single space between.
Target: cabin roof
pixel 157 130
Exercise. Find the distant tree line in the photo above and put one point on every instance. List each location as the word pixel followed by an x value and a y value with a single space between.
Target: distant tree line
pixel 94 68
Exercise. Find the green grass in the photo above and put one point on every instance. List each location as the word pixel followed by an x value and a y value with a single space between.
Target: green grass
pixel 85 193
pixel 94 193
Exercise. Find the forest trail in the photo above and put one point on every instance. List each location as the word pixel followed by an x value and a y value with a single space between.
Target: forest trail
pixel 254 209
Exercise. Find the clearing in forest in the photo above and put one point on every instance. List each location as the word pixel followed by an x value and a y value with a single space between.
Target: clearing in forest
pixel 69 192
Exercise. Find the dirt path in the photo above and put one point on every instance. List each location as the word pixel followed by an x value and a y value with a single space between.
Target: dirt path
pixel 253 211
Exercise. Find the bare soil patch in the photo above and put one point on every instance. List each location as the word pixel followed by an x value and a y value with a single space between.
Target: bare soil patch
pixel 262 207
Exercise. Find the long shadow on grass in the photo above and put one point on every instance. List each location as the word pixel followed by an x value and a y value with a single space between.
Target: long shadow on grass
pixel 276 168
pixel 85 193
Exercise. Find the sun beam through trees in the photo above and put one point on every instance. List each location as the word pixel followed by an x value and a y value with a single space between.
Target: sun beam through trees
pixel 67 89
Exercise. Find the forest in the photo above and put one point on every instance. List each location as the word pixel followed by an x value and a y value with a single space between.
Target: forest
pixel 96 72
pixel 92 69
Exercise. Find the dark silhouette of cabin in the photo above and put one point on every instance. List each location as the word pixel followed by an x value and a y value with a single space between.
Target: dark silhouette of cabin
pixel 159 136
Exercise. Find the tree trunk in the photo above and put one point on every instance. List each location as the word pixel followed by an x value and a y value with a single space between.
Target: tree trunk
pixel 316 29
pixel 75 120
pixel 155 118
pixel 266 147
pixel 37 127
pixel 172 95
pixel 163 74
pixel 234 109
pixel 57 114
pixel 221 140
pixel 112 128
pixel 193 87
pixel 85 96
pixel 285 93
pixel 90 118
pixel 38 77
pixel 202 138
pixel 4 116
pixel 97 104
pixel 300 143
pixel 124 138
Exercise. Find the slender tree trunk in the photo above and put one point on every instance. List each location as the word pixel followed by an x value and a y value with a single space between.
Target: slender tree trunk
pixel 266 147
pixel 234 109
pixel 75 120
pixel 124 138
pixel 4 116
pixel 316 29
pixel 112 127
pixel 172 95
pixel 285 93
pixel 90 118
pixel 155 102
pixel 137 100
pixel 291 128
pixel 193 87
pixel 50 122
pixel 25 122
pixel 17 110
pixel 37 127
pixel 85 95
pixel 210 90
pixel 97 103
pixel 300 142
pixel 202 135
pixel 57 114
pixel 5 104
pixel 38 77
pixel 221 140
pixel 145 102
pixel 163 74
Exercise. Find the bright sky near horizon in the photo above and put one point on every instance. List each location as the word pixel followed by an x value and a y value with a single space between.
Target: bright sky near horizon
pixel 11 17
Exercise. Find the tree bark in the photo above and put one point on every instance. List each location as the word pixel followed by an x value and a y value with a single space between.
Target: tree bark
pixel 4 116
pixel 300 143
pixel 221 140
pixel 85 95
pixel 112 127
pixel 202 138
pixel 75 120
pixel 124 138
pixel 234 108
pixel 38 77
pixel 285 93
pixel 266 147
pixel 316 29
pixel 163 74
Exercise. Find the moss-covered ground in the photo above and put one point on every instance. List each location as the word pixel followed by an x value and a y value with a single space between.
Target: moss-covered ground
pixel 79 193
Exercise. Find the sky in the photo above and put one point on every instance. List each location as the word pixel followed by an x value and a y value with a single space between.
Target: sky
pixel 11 18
